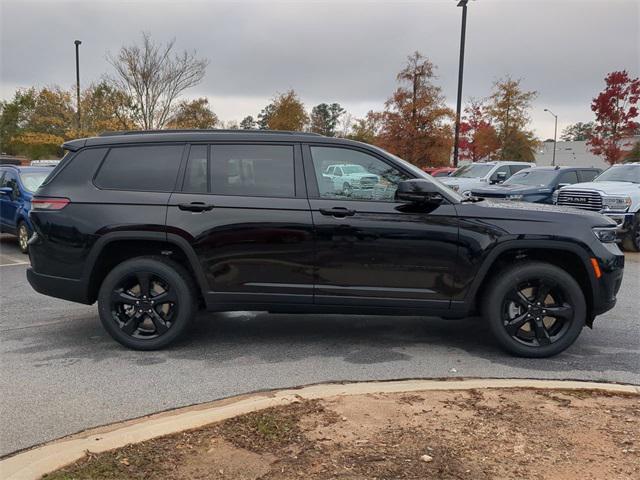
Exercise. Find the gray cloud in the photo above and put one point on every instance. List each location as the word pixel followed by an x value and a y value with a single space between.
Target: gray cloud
pixel 346 51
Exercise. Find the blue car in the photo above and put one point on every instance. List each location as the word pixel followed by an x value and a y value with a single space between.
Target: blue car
pixel 17 185
pixel 537 184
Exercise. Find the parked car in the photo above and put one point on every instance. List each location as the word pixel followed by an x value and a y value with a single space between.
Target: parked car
pixel 538 184
pixel 616 194
pixel 17 185
pixel 439 171
pixel 477 175
pixel 129 220
pixel 348 177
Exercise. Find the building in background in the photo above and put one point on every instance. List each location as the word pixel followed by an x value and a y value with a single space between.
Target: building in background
pixel 575 154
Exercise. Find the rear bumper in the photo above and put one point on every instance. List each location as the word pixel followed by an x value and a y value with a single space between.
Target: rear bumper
pixel 59 287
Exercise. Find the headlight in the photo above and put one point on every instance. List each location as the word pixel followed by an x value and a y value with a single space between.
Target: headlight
pixel 515 197
pixel 618 204
pixel 606 234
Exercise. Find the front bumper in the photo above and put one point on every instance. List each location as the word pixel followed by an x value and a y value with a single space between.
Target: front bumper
pixel 608 285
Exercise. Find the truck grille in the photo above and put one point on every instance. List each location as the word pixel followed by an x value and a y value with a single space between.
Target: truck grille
pixel 584 199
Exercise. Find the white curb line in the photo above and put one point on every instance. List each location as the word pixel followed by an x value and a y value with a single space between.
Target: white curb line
pixel 32 464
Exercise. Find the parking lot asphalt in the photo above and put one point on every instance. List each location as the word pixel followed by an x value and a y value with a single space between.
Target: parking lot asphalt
pixel 61 373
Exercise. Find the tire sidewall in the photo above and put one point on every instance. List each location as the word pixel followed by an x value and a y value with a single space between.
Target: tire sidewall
pixel 171 272
pixel 521 273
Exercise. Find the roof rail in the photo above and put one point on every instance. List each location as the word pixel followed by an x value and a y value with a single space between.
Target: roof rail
pixel 198 130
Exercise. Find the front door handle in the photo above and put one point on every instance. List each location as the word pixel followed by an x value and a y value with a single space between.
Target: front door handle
pixel 339 212
pixel 195 207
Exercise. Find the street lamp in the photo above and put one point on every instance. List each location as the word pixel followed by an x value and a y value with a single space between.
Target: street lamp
pixel 555 135
pixel 463 4
pixel 77 44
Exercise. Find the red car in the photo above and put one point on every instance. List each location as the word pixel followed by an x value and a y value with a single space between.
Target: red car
pixel 439 171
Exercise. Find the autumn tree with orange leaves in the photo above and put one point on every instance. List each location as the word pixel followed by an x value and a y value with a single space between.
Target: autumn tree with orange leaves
pixel 478 138
pixel 615 108
pixel 416 121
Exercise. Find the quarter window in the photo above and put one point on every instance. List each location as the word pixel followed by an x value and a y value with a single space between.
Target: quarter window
pixel 348 174
pixel 146 168
pixel 253 170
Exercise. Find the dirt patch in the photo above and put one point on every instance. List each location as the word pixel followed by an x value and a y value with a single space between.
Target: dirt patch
pixel 476 434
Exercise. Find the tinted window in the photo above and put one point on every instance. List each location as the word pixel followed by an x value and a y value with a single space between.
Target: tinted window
pixel 147 168
pixel 517 168
pixel 362 176
pixel 568 177
pixel 195 177
pixel 540 178
pixel 587 175
pixel 503 169
pixel 253 170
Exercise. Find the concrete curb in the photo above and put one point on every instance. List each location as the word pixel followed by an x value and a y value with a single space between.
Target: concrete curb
pixel 32 464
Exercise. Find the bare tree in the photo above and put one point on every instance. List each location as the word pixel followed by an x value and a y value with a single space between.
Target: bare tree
pixel 154 76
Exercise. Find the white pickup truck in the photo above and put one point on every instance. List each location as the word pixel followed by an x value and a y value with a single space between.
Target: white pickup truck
pixel 616 194
pixel 349 177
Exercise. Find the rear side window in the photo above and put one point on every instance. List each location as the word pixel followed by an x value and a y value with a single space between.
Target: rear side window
pixel 148 168
pixel 195 177
pixel 568 177
pixel 253 170
pixel 587 175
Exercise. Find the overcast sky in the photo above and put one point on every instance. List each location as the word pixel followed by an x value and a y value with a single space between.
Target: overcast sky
pixel 344 51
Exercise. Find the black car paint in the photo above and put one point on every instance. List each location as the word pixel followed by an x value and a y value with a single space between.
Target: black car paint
pixel 283 254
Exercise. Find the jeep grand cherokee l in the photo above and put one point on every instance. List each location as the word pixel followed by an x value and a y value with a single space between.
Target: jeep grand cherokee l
pixel 154 225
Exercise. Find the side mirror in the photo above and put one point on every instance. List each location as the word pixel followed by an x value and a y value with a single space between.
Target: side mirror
pixel 6 191
pixel 419 191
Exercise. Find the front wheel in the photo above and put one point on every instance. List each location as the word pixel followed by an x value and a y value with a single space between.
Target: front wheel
pixel 146 303
pixel 23 237
pixel 535 309
pixel 631 241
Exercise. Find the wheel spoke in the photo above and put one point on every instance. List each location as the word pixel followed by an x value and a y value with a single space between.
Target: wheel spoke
pixel 168 296
pixel 515 324
pixel 542 293
pixel 519 298
pixel 144 280
pixel 565 312
pixel 132 324
pixel 123 297
pixel 158 322
pixel 541 333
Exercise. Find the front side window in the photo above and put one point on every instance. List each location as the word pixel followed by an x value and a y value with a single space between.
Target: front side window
pixel 568 177
pixel 362 176
pixel 145 168
pixel 587 175
pixel 253 170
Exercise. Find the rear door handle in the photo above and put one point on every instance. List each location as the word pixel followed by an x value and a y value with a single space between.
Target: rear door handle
pixel 195 207
pixel 339 212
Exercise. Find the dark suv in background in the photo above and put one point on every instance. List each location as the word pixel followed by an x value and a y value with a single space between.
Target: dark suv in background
pixel 154 225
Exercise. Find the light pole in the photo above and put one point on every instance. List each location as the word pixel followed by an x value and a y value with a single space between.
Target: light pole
pixel 555 135
pixel 77 44
pixel 456 141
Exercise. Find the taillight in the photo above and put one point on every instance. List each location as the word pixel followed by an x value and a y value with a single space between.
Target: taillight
pixel 49 203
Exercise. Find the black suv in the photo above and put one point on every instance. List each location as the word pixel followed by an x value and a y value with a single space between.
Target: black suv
pixel 155 225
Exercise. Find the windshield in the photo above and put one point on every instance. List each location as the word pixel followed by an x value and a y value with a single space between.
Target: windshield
pixel 540 178
pixel 474 170
pixel 621 173
pixel 354 169
pixel 33 180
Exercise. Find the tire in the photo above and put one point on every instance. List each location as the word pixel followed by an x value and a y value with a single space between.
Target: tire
pixel 151 323
pixel 631 241
pixel 24 234
pixel 534 309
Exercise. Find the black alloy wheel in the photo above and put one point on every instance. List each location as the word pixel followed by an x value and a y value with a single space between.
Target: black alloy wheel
pixel 147 302
pixel 535 309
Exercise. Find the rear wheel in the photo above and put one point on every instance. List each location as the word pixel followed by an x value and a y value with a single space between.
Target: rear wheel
pixel 23 236
pixel 535 309
pixel 146 303
pixel 631 241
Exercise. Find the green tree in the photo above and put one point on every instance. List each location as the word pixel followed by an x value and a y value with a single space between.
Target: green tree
pixel 325 118
pixel 264 116
pixel 14 116
pixel 366 129
pixel 577 132
pixel 287 112
pixel 248 123
pixel 508 108
pixel 193 114
pixel 103 108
